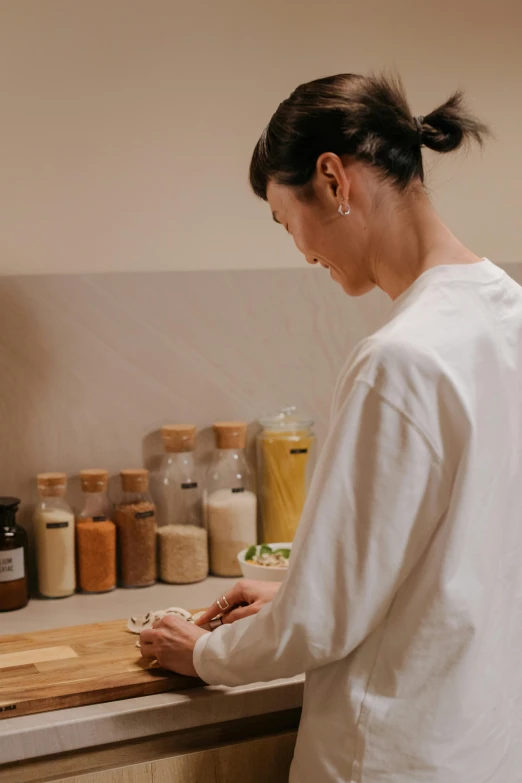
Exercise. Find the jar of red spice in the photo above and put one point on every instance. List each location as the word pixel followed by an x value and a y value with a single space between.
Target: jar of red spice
pixel 135 518
pixel 96 535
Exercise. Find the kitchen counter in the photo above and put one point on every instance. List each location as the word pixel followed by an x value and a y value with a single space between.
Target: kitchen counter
pixel 35 737
pixel 42 614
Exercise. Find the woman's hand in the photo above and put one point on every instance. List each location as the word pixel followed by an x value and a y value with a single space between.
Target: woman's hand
pixel 171 641
pixel 246 597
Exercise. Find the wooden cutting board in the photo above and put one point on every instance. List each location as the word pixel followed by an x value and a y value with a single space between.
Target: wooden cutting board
pixel 70 667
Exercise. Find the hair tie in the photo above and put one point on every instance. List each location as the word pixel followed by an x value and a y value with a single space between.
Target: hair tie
pixel 418 124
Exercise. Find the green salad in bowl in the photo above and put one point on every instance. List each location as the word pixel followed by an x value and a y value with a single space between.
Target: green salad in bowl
pixel 267 562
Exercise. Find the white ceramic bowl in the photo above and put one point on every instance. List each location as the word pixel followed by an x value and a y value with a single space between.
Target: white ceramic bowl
pixel 263 573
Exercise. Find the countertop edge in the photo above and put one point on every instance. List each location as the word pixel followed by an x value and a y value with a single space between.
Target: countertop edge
pixel 45 734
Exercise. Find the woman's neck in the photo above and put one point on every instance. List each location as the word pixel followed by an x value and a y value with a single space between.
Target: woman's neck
pixel 412 239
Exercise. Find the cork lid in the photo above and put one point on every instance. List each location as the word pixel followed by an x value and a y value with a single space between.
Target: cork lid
pixel 52 485
pixel 94 480
pixel 135 480
pixel 230 434
pixel 178 437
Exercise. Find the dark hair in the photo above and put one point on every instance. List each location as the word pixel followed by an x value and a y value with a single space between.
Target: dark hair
pixel 367 117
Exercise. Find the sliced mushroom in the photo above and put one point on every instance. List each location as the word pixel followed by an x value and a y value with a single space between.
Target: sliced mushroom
pixel 141 622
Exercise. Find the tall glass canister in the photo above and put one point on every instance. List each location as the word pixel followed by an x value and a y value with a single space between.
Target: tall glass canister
pixel 285 460
pixel 182 535
pixel 96 535
pixel 231 503
pixel 54 538
pixel 135 518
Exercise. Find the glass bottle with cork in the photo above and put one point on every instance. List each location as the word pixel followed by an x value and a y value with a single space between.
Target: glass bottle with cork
pixel 54 535
pixel 183 542
pixel 96 535
pixel 285 462
pixel 14 585
pixel 231 505
pixel 135 518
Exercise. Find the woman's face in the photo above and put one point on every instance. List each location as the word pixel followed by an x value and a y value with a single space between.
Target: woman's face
pixel 338 243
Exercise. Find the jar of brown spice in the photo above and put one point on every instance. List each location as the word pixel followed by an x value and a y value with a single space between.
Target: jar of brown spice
pixel 135 519
pixel 96 535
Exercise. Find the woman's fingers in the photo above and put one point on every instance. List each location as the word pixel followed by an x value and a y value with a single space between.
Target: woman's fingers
pixel 240 612
pixel 146 647
pixel 148 636
pixel 233 597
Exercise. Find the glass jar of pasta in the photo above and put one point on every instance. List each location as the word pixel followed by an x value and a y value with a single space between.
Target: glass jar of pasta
pixel 285 460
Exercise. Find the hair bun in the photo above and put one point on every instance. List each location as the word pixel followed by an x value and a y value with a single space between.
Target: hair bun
pixel 449 126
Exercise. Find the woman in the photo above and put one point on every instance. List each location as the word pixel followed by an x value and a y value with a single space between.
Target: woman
pixel 403 601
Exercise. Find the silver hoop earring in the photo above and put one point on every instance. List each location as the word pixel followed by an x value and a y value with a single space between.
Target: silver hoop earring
pixel 343 211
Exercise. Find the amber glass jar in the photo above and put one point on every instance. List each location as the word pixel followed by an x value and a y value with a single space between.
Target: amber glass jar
pixel 14 588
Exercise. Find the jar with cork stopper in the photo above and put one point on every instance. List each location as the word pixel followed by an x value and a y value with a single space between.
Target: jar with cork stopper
pixel 135 518
pixel 54 535
pixel 14 587
pixel 182 536
pixel 231 505
pixel 96 535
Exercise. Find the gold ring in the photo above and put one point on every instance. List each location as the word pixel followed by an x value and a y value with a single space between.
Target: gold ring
pixel 226 606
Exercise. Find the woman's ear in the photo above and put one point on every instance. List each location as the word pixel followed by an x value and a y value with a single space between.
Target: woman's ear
pixel 332 177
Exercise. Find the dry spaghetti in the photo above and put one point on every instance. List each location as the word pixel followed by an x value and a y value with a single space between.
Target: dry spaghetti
pixel 284 461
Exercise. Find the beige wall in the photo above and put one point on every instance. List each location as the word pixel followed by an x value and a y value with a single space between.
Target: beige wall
pixel 127 125
pixel 94 365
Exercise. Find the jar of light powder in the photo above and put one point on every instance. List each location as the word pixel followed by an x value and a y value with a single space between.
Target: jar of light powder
pixel 54 534
pixel 230 502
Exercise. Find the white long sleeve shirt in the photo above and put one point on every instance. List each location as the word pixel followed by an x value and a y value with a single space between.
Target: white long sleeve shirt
pixel 403 600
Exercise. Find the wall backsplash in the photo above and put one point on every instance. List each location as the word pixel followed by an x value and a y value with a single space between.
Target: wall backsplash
pixel 93 365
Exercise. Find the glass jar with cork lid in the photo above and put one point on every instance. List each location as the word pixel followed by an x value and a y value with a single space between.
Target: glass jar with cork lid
pixel 96 535
pixel 183 544
pixel 54 535
pixel 231 505
pixel 135 518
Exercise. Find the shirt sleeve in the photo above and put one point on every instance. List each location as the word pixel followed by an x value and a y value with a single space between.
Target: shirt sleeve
pixel 378 493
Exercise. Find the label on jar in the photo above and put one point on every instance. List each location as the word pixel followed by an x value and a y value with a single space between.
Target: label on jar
pixel 56 525
pixel 144 514
pixel 12 565
pixel 189 485
pixel 238 489
pixel 298 451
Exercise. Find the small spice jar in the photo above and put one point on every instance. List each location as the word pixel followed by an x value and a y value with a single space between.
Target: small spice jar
pixel 96 535
pixel 183 543
pixel 54 534
pixel 135 519
pixel 14 587
pixel 231 505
